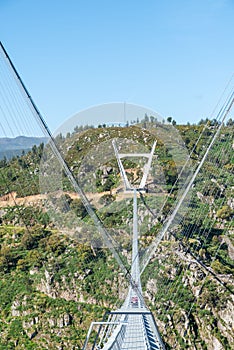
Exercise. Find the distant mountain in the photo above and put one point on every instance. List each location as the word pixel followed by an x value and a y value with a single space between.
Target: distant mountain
pixel 10 147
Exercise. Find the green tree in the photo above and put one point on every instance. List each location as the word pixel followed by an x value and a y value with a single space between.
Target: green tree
pixel 109 183
pixel 7 259
pixel 34 150
pixel 230 122
pixel 78 207
pixel 3 162
pixel 169 119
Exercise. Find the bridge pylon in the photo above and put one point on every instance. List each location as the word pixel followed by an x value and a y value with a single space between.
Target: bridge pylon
pixel 132 326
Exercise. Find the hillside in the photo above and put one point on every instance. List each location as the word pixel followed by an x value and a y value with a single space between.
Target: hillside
pixel 53 284
pixel 10 147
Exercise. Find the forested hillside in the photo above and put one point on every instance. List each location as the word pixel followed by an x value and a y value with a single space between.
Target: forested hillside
pixel 55 281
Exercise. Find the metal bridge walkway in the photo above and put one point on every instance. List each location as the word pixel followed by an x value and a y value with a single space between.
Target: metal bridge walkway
pixel 135 334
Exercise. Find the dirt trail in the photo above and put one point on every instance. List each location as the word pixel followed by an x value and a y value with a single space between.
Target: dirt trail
pixel 11 199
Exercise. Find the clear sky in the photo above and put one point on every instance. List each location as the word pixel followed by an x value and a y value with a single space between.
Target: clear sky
pixel 173 56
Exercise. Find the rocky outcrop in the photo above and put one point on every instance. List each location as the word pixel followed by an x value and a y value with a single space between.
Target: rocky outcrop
pixel 206 322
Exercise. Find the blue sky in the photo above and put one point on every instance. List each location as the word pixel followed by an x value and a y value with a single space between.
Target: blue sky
pixel 174 57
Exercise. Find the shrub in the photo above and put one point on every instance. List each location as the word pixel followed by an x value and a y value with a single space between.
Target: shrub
pixel 225 212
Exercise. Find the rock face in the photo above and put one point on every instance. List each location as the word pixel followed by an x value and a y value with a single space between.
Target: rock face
pixel 64 321
pixel 192 307
pixel 32 325
pixel 14 308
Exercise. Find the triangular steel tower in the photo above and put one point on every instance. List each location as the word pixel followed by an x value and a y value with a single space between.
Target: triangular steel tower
pixel 132 326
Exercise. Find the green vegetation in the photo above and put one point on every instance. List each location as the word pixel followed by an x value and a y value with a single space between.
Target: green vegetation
pixel 52 285
pixel 21 174
pixel 41 259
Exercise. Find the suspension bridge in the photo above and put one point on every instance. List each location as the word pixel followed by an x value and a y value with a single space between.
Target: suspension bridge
pixel 131 326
